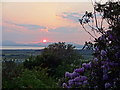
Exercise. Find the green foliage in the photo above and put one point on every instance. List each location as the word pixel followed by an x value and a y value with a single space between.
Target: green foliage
pixel 61 69
pixel 10 70
pixel 37 78
pixel 55 56
pixel 59 53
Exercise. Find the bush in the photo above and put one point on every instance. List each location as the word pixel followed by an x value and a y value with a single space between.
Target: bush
pixel 37 78
pixel 10 70
pixel 104 69
pixel 55 56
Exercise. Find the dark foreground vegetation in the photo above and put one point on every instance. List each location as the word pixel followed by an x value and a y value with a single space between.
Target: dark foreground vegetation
pixel 47 70
pixel 44 70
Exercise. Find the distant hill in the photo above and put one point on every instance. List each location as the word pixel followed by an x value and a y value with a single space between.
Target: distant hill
pixel 10 43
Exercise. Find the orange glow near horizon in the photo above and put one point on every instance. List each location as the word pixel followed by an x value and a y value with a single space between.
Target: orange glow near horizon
pixel 42 22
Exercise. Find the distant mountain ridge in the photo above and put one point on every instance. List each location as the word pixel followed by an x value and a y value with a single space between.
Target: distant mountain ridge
pixel 10 43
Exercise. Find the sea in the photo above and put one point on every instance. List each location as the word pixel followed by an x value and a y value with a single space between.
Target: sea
pixel 22 47
pixel 19 47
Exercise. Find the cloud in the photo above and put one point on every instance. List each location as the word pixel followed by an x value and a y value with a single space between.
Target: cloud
pixel 28 26
pixel 74 16
pixel 64 30
pixel 31 27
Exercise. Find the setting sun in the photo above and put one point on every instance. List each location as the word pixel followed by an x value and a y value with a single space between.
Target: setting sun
pixel 44 40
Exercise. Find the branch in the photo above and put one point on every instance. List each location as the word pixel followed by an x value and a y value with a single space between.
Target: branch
pixel 87 31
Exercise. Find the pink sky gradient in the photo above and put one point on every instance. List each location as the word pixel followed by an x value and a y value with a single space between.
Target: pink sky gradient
pixel 29 22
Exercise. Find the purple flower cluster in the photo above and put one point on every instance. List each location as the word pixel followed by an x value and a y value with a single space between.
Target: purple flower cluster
pixel 102 67
pixel 106 57
pixel 105 67
pixel 76 82
pixel 103 53
pixel 71 75
pixel 77 78
pixel 107 85
pixel 79 70
pixel 86 65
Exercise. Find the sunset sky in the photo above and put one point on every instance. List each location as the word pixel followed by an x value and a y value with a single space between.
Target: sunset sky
pixel 32 22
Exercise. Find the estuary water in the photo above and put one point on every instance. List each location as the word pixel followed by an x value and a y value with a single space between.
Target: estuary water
pixel 23 47
pixel 20 47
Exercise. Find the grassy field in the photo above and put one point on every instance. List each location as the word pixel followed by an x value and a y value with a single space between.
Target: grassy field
pixel 25 54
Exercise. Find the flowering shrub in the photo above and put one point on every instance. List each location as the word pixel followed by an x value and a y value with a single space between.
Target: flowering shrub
pixel 76 79
pixel 104 69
